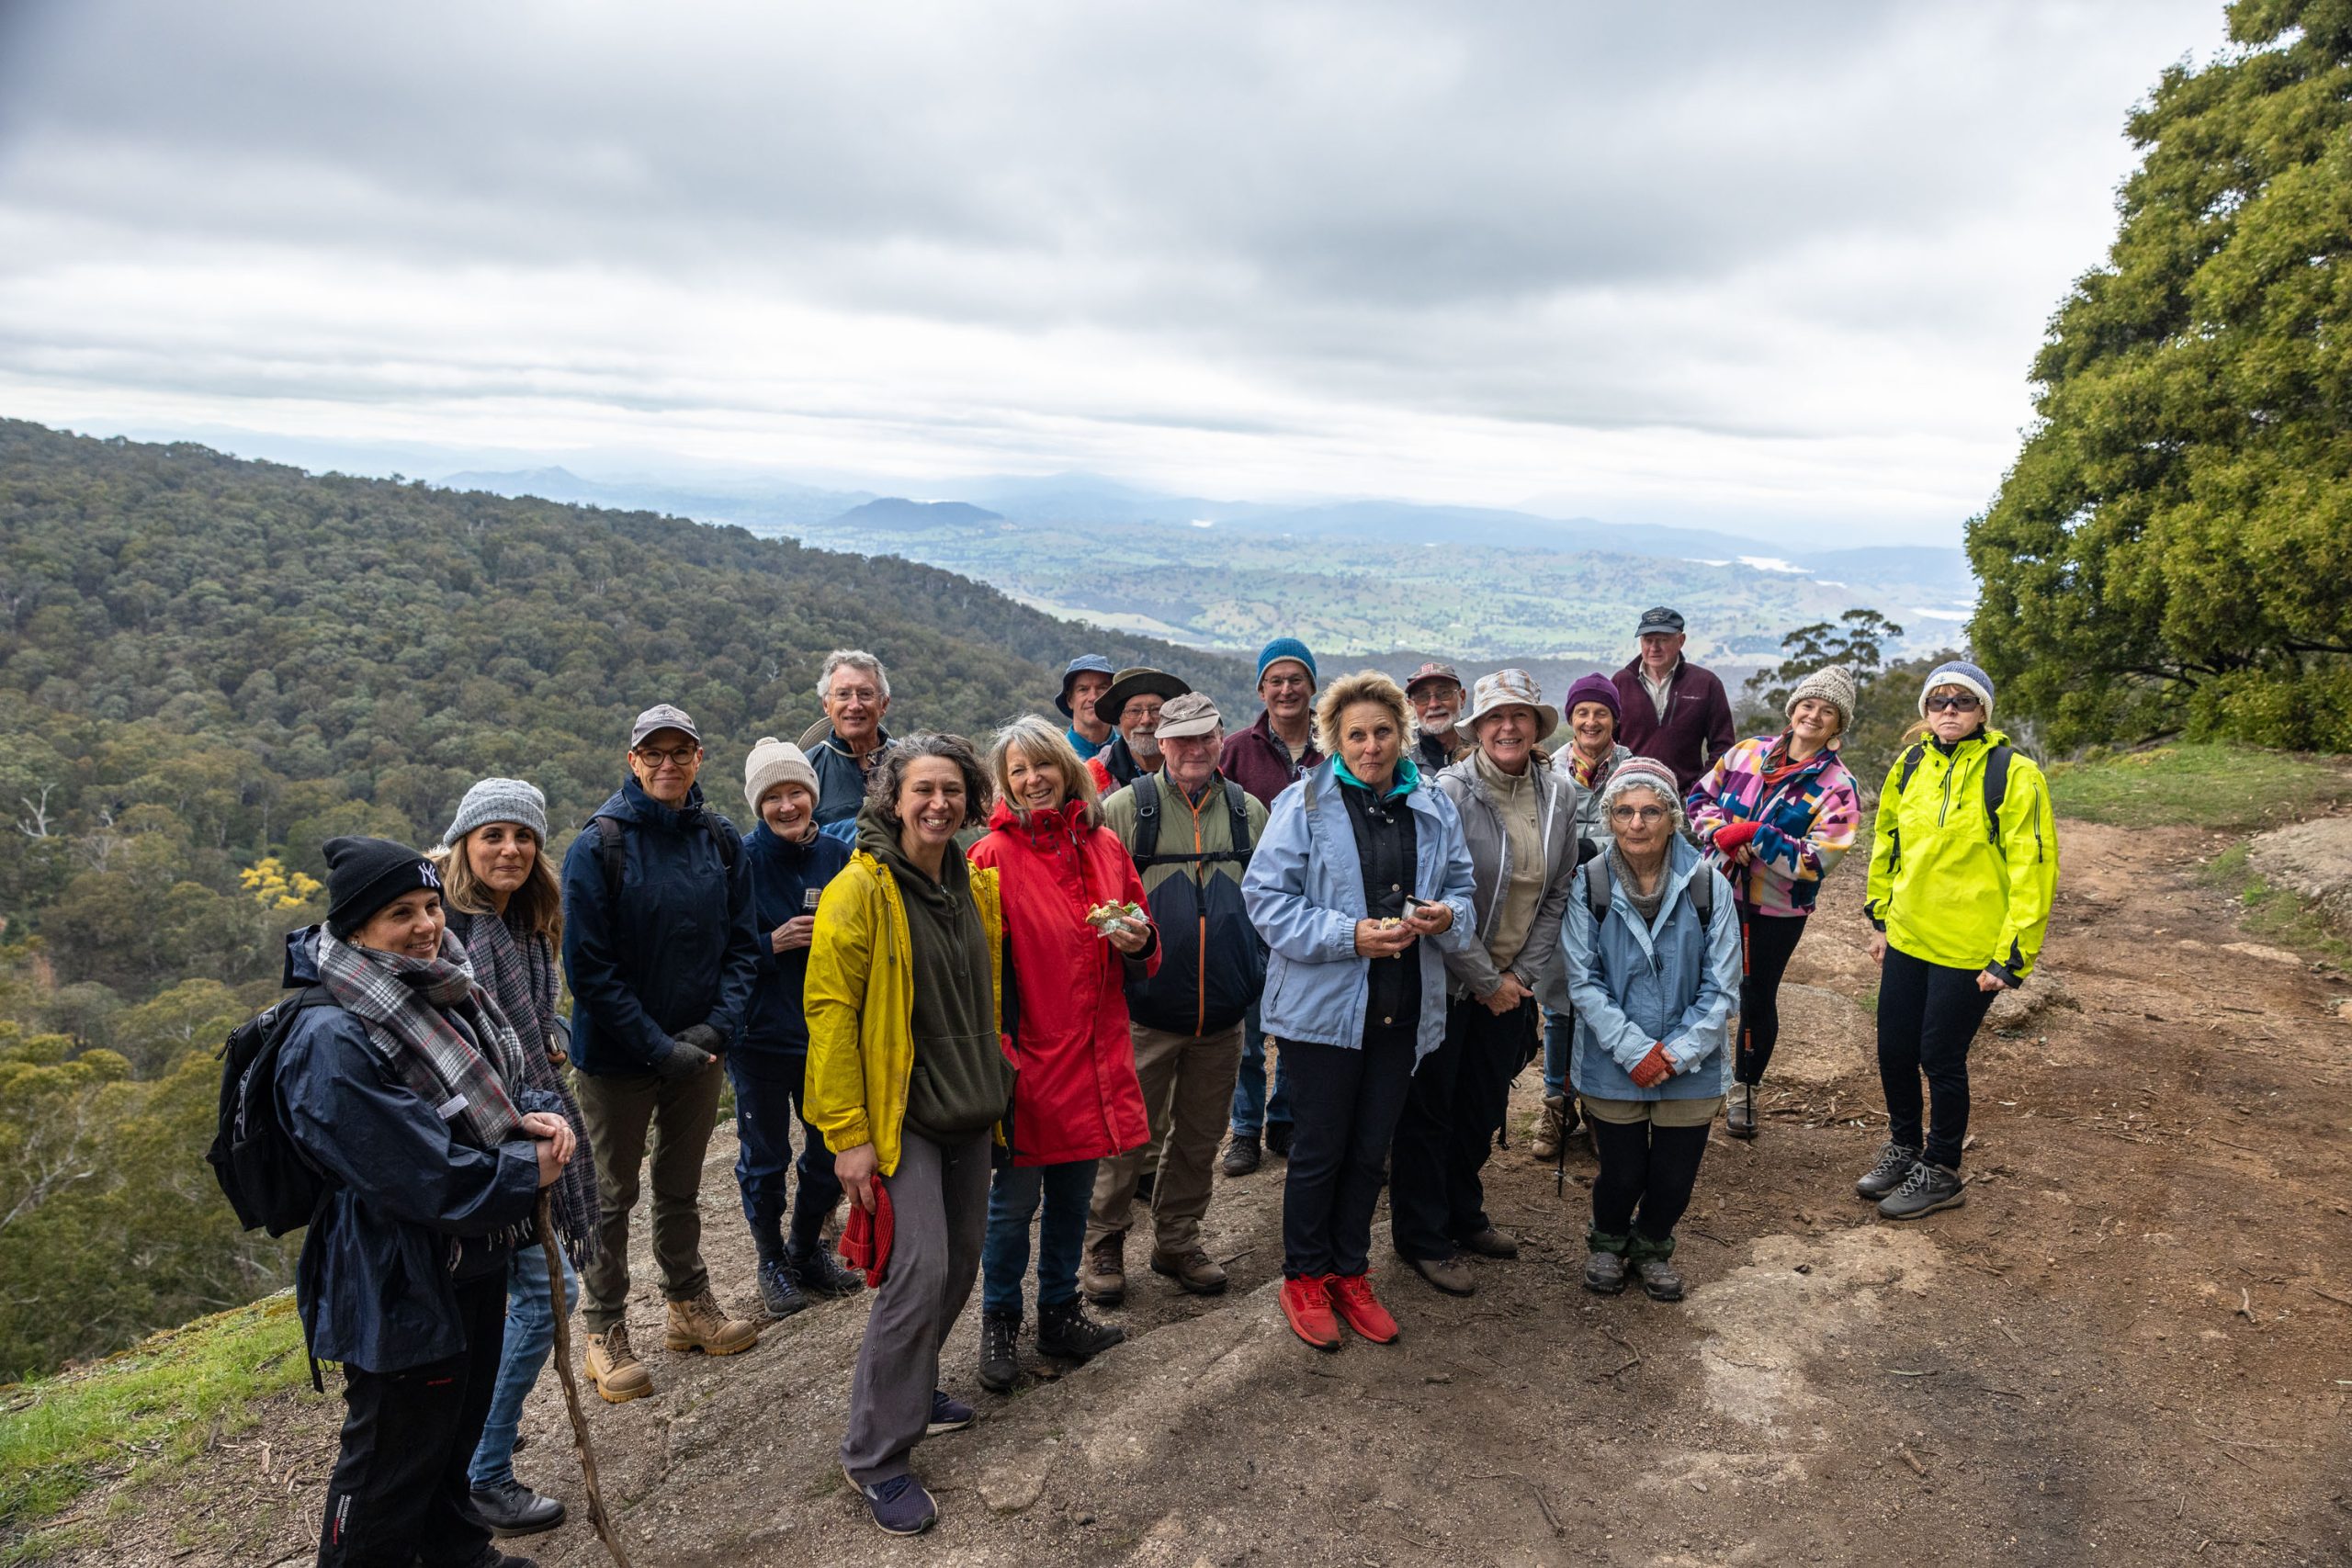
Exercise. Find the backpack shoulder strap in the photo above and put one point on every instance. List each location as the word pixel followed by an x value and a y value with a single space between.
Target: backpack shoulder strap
pixel 1911 761
pixel 1146 794
pixel 1997 788
pixel 1237 802
pixel 1702 889
pixel 722 833
pixel 1595 873
pixel 610 850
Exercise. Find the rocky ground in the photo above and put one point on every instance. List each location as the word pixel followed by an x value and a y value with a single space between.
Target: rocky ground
pixel 2131 1346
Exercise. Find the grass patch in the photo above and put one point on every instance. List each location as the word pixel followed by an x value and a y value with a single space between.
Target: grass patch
pixel 2234 788
pixel 2279 916
pixel 148 1408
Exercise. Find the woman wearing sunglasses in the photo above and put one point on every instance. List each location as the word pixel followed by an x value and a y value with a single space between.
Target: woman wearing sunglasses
pixel 1964 862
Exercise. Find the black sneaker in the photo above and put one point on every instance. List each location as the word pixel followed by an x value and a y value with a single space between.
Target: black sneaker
pixel 779 1292
pixel 900 1506
pixel 512 1509
pixel 1243 1154
pixel 1000 1355
pixel 1925 1190
pixel 1894 1162
pixel 947 1414
pixel 1278 1139
pixel 820 1274
pixel 1065 1330
pixel 1604 1273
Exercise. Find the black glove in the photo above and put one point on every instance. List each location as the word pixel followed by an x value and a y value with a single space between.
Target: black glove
pixel 682 1060
pixel 702 1037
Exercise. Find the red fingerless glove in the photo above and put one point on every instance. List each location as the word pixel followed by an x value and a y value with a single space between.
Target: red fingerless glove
pixel 1653 1069
pixel 1732 837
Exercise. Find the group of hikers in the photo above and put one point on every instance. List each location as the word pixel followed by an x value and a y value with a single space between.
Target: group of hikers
pixel 1010 998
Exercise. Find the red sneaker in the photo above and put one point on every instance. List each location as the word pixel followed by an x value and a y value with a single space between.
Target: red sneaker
pixel 1308 1307
pixel 1351 1296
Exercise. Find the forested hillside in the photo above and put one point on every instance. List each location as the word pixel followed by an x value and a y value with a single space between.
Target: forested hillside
pixel 208 667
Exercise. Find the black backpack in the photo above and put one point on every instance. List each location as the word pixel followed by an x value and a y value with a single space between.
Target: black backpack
pixel 1146 847
pixel 1190 994
pixel 268 1181
pixel 1594 874
pixel 612 848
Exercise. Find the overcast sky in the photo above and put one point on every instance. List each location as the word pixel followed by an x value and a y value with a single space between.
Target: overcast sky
pixel 1776 269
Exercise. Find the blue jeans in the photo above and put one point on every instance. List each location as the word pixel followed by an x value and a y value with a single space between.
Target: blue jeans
pixel 530 1330
pixel 767 1107
pixel 1251 1107
pixel 1556 1040
pixel 1013 1193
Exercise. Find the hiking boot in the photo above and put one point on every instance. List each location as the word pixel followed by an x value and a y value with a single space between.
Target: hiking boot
pixel 1658 1280
pixel 1604 1272
pixel 947 1414
pixel 1739 1114
pixel 1243 1154
pixel 1925 1190
pixel 1065 1330
pixel 900 1505
pixel 779 1292
pixel 1894 1162
pixel 1103 1280
pixel 999 1352
pixel 1193 1269
pixel 1307 1305
pixel 1449 1274
pixel 1551 1128
pixel 820 1274
pixel 1489 1242
pixel 512 1509
pixel 1352 1298
pixel 697 1324
pixel 614 1367
pixel 1278 1139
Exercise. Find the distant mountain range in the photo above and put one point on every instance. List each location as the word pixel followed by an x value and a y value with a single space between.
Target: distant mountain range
pixel 1364 577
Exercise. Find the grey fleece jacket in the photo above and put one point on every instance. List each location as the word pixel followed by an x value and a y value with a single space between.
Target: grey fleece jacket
pixel 1469 972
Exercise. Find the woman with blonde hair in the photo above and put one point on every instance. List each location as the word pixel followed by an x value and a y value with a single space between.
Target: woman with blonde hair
pixel 1076 1099
pixel 1361 860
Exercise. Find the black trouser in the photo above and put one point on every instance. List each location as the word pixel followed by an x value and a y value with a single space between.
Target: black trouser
pixel 1927 1013
pixel 1459 1097
pixel 768 1089
pixel 1766 944
pixel 1646 1165
pixel 1343 1106
pixel 398 1494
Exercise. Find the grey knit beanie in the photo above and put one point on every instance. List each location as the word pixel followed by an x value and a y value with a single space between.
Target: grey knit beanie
pixel 1834 684
pixel 500 800
pixel 773 762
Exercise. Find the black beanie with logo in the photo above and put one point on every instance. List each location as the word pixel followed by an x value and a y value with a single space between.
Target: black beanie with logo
pixel 365 875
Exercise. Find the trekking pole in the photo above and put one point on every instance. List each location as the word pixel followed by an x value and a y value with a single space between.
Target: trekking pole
pixel 596 1513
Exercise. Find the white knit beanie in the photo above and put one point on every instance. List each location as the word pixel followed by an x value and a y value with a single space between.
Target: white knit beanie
pixel 773 762
pixel 1834 684
pixel 500 800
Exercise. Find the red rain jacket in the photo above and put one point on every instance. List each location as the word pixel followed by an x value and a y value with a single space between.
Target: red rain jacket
pixel 1077 1096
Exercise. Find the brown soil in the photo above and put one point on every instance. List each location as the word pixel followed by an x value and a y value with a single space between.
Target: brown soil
pixel 2130 1345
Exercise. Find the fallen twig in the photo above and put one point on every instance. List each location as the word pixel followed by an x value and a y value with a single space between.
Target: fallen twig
pixel 2331 1295
pixel 1541 1501
pixel 1910 1459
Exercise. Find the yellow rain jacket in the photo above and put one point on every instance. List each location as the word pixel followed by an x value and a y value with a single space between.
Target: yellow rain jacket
pixel 860 999
pixel 1945 884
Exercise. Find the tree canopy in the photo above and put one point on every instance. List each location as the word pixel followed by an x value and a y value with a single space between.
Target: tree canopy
pixel 2171 549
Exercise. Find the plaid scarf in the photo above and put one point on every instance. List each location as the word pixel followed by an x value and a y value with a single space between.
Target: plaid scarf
pixel 439 1030
pixel 518 970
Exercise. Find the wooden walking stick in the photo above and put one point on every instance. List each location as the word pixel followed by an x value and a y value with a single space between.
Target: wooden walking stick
pixel 597 1514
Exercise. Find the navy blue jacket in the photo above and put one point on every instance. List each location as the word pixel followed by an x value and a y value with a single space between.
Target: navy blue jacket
pixel 782 874
pixel 374 1285
pixel 679 950
pixel 840 779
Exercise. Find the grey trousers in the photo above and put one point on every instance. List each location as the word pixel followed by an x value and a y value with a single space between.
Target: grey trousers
pixel 624 1112
pixel 1187 1092
pixel 939 1211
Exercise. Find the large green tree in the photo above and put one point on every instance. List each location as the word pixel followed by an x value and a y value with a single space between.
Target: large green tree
pixel 2173 548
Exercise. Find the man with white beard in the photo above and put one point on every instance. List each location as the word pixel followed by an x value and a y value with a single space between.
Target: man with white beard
pixel 1435 692
pixel 1133 701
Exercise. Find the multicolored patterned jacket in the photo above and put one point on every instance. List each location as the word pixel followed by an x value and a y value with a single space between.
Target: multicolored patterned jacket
pixel 1806 822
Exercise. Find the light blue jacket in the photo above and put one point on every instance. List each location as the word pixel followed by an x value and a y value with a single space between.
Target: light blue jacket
pixel 1635 986
pixel 1305 889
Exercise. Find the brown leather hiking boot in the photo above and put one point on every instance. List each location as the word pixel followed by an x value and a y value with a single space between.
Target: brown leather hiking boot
pixel 614 1367
pixel 1193 1269
pixel 1551 1128
pixel 698 1324
pixel 1103 1279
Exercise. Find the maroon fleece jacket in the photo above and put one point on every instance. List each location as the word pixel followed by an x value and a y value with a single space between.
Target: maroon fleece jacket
pixel 1697 728
pixel 1257 760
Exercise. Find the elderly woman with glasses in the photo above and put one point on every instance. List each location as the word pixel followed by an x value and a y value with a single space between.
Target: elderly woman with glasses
pixel 1651 940
pixel 1964 862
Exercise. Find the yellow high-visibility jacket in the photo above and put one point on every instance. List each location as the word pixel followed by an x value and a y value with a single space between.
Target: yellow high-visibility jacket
pixel 860 1001
pixel 1946 886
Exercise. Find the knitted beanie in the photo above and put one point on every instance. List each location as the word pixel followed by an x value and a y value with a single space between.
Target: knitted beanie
pixel 1644 772
pixel 1834 684
pixel 773 762
pixel 500 800
pixel 1595 689
pixel 1287 648
pixel 365 875
pixel 1961 673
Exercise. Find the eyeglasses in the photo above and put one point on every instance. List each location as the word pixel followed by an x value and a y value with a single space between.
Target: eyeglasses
pixel 1637 813
pixel 861 695
pixel 1956 701
pixel 682 757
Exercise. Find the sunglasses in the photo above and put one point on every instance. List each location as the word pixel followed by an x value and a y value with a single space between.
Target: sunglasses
pixel 1954 702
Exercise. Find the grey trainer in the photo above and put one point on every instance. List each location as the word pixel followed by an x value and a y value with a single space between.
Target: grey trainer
pixel 1894 1162
pixel 1925 1190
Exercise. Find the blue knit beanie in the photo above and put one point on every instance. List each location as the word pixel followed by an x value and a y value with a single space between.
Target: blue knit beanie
pixel 1287 648
pixel 1961 673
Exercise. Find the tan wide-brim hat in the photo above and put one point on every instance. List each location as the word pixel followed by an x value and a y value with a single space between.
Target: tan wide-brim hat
pixel 1510 688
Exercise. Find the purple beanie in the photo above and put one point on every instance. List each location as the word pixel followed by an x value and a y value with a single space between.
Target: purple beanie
pixel 1595 689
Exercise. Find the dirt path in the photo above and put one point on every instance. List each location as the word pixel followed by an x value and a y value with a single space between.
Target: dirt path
pixel 2134 1343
